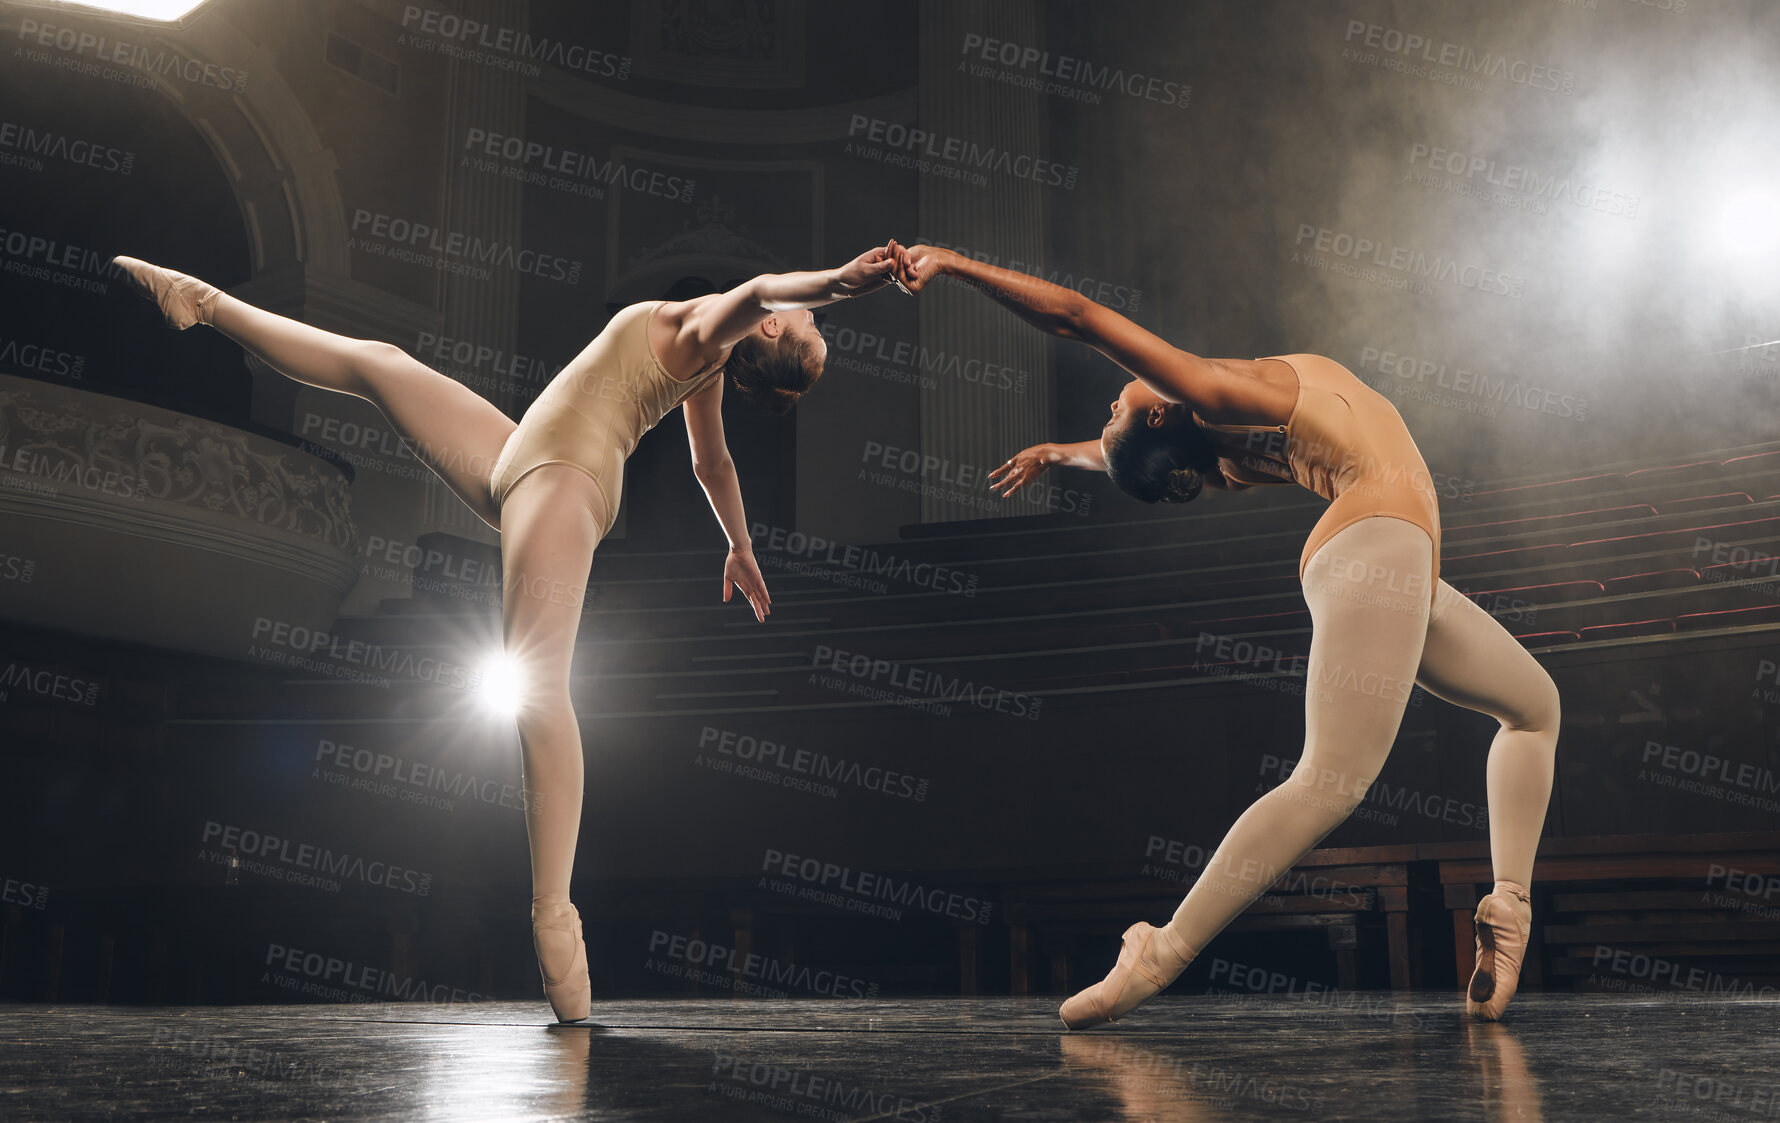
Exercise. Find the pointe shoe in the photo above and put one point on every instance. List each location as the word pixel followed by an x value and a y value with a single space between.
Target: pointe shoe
pixel 562 959
pixel 1502 935
pixel 1149 959
pixel 183 300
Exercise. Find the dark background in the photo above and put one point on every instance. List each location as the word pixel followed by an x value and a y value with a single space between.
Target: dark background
pixel 1190 218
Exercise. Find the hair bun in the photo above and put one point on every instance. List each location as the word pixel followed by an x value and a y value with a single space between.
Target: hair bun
pixel 1183 486
pixel 775 400
pixel 773 374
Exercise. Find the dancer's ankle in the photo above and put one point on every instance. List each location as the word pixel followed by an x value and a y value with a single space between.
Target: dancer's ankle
pixel 1513 889
pixel 546 906
pixel 205 306
pixel 1168 954
pixel 1520 902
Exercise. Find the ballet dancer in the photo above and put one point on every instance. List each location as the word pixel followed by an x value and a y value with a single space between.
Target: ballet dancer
pixel 1381 618
pixel 550 485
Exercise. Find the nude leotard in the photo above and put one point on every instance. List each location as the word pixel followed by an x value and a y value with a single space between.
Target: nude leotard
pixel 1346 442
pixel 595 410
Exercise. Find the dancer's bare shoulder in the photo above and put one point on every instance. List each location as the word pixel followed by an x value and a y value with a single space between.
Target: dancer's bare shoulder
pixel 1254 392
pixel 676 337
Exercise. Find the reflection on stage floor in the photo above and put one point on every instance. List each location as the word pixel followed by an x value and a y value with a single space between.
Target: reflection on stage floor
pixel 1348 1056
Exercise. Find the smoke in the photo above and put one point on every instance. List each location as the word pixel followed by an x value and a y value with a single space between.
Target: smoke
pixel 1505 216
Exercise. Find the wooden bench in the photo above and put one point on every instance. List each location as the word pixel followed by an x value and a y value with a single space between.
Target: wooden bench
pixel 1345 893
pixel 1696 912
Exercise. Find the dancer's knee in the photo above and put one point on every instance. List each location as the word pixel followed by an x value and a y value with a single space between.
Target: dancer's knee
pixel 375 352
pixel 1539 711
pixel 1323 788
pixel 374 359
pixel 542 693
pixel 544 713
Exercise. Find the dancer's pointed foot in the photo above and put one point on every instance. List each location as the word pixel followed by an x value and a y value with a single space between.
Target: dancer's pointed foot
pixel 1149 959
pixel 1504 924
pixel 183 300
pixel 562 958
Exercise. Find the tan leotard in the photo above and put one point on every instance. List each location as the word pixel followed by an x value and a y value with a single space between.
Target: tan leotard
pixel 1346 442
pixel 595 410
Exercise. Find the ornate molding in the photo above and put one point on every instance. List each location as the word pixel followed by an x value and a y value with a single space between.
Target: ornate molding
pixel 714 234
pixel 737 43
pixel 59 442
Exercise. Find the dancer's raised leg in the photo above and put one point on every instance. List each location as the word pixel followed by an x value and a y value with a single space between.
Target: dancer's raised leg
pixel 1368 592
pixel 1472 661
pixel 551 524
pixel 455 431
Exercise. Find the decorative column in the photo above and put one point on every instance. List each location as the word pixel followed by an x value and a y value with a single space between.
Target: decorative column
pixel 961 421
pixel 487 207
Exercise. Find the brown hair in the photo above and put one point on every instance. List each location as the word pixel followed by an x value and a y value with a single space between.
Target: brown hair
pixel 771 373
pixel 1159 465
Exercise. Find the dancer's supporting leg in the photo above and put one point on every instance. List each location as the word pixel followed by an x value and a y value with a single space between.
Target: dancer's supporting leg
pixel 455 431
pixel 1472 661
pixel 549 529
pixel 551 523
pixel 1368 592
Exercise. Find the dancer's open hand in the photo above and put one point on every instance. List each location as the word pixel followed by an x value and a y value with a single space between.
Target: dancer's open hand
pixel 916 265
pixel 740 571
pixel 868 272
pixel 1025 467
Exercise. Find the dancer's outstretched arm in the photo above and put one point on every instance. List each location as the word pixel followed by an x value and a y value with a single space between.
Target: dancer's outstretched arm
pixel 704 329
pixel 1176 375
pixel 715 470
pixel 1029 464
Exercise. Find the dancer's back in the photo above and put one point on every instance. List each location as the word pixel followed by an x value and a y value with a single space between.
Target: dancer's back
pixel 1347 443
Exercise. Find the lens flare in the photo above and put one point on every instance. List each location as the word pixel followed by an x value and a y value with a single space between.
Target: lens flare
pixel 500 685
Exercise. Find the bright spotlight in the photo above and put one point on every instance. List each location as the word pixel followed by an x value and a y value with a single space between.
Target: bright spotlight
pixel 1748 223
pixel 165 11
pixel 500 684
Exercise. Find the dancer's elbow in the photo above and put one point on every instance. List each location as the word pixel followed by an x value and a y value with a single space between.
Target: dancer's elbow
pixel 714 469
pixel 1073 319
pixel 777 292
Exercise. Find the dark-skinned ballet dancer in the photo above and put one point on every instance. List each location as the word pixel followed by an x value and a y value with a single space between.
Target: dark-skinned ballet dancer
pixel 1381 618
pixel 550 484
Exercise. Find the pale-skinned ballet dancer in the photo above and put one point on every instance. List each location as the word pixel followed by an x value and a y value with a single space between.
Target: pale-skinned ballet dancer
pixel 550 484
pixel 1381 618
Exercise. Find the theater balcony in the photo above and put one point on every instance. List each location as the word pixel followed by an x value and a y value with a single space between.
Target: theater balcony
pixel 134 523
